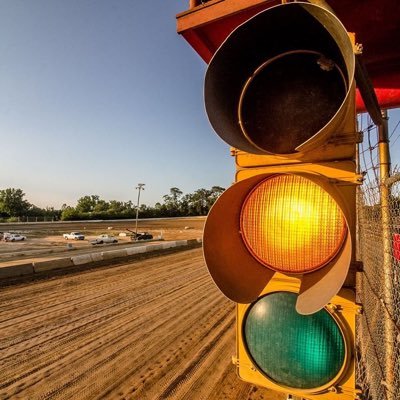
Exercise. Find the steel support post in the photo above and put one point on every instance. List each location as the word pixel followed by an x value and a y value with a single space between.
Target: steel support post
pixel 384 170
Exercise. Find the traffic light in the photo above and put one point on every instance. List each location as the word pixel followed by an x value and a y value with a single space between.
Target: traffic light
pixel 281 240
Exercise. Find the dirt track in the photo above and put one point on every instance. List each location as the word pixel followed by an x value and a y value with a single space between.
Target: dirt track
pixel 155 329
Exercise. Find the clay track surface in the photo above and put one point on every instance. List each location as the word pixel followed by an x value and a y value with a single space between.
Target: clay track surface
pixel 154 329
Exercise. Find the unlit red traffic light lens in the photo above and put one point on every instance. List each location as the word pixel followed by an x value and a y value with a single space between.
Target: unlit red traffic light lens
pixel 293 83
pixel 297 351
pixel 292 225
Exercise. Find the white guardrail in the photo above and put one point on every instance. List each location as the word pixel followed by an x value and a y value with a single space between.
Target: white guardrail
pixel 30 268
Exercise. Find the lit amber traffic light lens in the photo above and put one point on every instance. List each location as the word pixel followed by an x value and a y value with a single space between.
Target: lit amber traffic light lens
pixel 291 224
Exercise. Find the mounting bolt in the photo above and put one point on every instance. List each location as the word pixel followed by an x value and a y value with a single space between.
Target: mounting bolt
pixel 332 307
pixel 333 389
pixel 358 49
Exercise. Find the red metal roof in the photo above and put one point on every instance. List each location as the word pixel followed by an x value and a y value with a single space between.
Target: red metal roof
pixel 376 24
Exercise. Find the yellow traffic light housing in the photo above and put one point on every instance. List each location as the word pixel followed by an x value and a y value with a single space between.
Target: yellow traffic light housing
pixel 280 242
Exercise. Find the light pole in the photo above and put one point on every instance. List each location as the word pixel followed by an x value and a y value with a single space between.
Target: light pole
pixel 140 187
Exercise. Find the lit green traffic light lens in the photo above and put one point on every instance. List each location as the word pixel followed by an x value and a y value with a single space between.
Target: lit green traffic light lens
pixel 297 351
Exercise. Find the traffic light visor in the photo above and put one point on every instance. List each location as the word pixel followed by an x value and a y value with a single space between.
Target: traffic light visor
pixel 291 224
pixel 282 82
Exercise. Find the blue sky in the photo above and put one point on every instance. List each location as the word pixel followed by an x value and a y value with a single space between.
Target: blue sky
pixel 97 96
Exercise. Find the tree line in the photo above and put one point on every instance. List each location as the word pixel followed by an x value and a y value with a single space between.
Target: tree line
pixel 14 206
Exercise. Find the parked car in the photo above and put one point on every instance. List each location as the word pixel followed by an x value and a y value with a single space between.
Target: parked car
pixel 74 236
pixel 104 239
pixel 142 236
pixel 14 237
pixel 6 234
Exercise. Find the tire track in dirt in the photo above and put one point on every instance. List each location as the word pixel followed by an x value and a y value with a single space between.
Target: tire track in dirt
pixel 153 329
pixel 66 342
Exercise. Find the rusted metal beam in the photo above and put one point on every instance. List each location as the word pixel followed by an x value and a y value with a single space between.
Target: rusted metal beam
pixel 384 167
pixel 205 12
pixel 366 88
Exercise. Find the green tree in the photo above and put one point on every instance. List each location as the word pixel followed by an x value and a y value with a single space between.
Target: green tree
pixel 35 211
pixel 87 203
pixel 172 199
pixel 171 202
pixel 215 192
pixel 200 201
pixel 116 207
pixel 101 205
pixel 69 214
pixel 12 202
